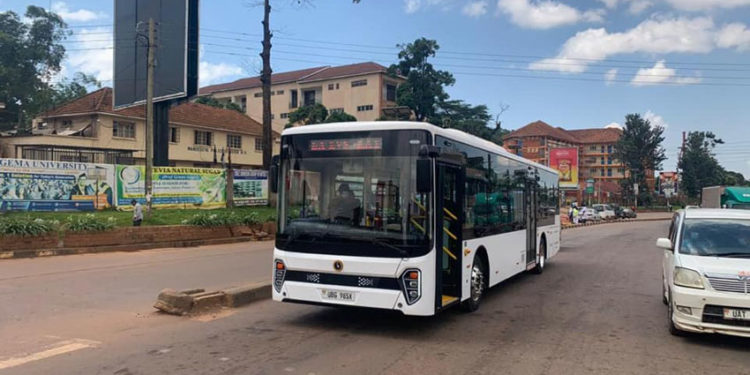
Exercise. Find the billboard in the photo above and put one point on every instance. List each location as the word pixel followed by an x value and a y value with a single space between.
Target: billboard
pixel 668 183
pixel 176 52
pixel 565 161
pixel 250 187
pixel 36 185
pixel 173 187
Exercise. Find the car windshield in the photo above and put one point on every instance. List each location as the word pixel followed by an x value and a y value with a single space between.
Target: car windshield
pixel 347 200
pixel 716 237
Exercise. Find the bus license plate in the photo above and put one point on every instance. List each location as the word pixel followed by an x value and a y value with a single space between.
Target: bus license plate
pixel 337 295
pixel 736 314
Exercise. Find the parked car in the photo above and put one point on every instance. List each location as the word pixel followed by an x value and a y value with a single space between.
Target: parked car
pixel 606 212
pixel 628 213
pixel 706 272
pixel 588 215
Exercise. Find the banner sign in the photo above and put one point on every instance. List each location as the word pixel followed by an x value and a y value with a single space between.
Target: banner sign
pixel 565 161
pixel 250 187
pixel 668 183
pixel 37 185
pixel 173 187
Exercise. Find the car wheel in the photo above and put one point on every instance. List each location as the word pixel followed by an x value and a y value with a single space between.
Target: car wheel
pixel 670 323
pixel 541 259
pixel 478 285
pixel 664 292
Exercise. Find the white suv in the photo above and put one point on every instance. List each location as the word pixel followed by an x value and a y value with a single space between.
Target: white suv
pixel 706 272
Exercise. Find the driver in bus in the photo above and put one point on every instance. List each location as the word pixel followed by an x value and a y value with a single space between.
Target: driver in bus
pixel 345 207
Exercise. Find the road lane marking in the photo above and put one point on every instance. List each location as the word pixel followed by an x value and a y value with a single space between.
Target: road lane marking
pixel 57 349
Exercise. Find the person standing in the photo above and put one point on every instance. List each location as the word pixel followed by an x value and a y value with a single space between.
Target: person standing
pixel 137 213
pixel 575 215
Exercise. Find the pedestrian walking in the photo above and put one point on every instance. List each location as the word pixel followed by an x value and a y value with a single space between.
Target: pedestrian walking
pixel 575 215
pixel 137 213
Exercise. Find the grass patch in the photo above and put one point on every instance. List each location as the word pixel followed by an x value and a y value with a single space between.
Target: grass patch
pixel 158 217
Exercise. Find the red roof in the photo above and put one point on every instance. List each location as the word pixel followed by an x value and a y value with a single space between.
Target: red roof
pixel 304 75
pixel 187 113
pixel 542 129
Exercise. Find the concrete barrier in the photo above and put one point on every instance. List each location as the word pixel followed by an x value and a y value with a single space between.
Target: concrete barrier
pixel 199 301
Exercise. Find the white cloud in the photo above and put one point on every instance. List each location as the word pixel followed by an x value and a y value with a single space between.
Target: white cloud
pixel 412 6
pixel 697 5
pixel 610 4
pixel 93 54
pixel 661 74
pixel 211 73
pixel 546 14
pixel 655 119
pixel 475 8
pixel 638 6
pixel 610 76
pixel 80 15
pixel 734 35
pixel 675 35
pixel 613 125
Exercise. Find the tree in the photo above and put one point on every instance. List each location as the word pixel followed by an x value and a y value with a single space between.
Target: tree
pixel 731 178
pixel 30 55
pixel 223 104
pixel 459 115
pixel 698 165
pixel 317 114
pixel 424 86
pixel 639 148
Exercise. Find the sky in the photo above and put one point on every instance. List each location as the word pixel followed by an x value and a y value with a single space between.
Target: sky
pixel 682 64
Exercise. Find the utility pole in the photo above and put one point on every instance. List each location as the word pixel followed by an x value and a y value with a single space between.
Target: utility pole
pixel 150 116
pixel 265 79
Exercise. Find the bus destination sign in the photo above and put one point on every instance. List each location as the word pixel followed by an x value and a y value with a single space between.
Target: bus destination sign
pixel 348 144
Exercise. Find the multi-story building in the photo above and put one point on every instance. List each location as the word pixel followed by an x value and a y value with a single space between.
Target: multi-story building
pixel 596 160
pixel 362 90
pixel 89 130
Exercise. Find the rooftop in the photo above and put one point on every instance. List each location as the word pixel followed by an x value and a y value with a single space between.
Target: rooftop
pixel 585 136
pixel 302 76
pixel 187 113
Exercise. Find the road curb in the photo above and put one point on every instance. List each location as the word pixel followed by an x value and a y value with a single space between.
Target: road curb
pixel 574 226
pixel 199 301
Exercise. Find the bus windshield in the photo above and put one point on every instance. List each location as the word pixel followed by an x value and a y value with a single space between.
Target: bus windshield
pixel 353 194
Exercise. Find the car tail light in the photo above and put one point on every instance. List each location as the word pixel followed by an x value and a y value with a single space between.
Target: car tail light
pixel 411 281
pixel 279 273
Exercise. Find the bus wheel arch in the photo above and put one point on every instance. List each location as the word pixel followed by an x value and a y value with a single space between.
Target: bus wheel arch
pixel 479 280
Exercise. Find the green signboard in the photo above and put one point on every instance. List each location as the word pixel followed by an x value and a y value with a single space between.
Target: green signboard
pixel 173 187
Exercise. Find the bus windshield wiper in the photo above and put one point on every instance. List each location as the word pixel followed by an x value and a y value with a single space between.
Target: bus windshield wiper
pixel 733 255
pixel 381 242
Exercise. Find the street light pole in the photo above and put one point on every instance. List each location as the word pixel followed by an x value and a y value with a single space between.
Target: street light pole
pixel 150 116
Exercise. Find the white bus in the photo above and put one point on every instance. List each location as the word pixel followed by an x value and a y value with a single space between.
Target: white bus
pixel 405 216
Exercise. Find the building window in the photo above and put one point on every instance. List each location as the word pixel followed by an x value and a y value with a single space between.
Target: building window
pixel 174 135
pixel 609 160
pixel 363 108
pixel 234 141
pixel 273 116
pixel 609 172
pixel 293 99
pixel 280 92
pixel 203 138
pixel 602 172
pixel 309 97
pixel 609 149
pixel 202 165
pixel 337 86
pixel 330 86
pixel 602 149
pixel 123 129
pixel 390 93
pixel 602 161
pixel 592 171
pixel 284 115
pixel 243 103
pixel 335 110
pixel 258 94
pixel 361 82
pixel 592 148
pixel 67 123
pixel 621 170
pixel 258 145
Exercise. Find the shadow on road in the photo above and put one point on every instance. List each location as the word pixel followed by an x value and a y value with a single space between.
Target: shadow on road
pixel 715 340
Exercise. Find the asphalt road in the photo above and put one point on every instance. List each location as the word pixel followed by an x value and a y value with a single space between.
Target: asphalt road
pixel 596 309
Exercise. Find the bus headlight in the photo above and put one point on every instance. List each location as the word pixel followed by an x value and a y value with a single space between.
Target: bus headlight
pixel 279 273
pixel 411 282
pixel 687 278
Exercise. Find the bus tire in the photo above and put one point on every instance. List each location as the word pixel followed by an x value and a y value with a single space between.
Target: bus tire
pixel 542 259
pixel 478 284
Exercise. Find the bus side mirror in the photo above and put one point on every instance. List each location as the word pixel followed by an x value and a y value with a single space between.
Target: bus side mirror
pixel 273 175
pixel 424 175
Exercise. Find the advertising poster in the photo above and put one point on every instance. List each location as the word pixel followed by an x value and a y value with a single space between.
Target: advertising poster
pixel 173 187
pixel 250 187
pixel 37 185
pixel 668 183
pixel 565 161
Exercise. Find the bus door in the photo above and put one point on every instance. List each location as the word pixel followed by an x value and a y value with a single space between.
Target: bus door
pixel 449 202
pixel 530 200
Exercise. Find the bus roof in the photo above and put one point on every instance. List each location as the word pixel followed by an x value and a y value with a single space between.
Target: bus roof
pixel 454 134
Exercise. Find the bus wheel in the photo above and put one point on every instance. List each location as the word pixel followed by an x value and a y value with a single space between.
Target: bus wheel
pixel 478 285
pixel 542 259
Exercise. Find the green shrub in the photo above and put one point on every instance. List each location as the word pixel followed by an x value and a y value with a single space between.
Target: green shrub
pixel 208 219
pixel 26 226
pixel 88 223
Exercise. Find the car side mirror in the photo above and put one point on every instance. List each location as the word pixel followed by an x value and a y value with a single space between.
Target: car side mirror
pixel 273 175
pixel 424 175
pixel 664 243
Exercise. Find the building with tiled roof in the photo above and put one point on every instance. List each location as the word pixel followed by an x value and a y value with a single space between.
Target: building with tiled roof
pixel 363 90
pixel 595 155
pixel 88 129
